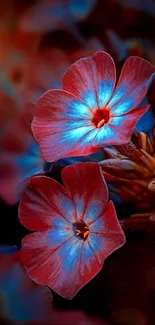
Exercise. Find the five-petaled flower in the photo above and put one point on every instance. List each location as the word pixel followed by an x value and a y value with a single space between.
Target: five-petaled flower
pixel 90 112
pixel 76 228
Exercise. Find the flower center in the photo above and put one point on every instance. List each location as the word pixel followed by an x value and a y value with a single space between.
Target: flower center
pixel 101 117
pixel 81 229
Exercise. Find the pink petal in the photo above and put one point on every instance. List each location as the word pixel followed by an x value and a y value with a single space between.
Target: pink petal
pixel 90 195
pixel 124 125
pixel 65 268
pixel 45 204
pixel 62 125
pixel 132 86
pixel 58 110
pixel 79 142
pixel 92 79
pixel 106 234
pixel 71 143
pixel 106 136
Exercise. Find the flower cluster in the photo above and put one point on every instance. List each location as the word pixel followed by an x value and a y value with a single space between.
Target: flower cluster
pixel 77 160
pixel 75 226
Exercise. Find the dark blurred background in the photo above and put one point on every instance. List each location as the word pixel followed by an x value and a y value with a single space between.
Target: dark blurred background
pixel 38 41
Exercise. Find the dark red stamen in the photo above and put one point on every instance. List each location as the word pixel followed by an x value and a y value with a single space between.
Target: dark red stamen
pixel 81 229
pixel 101 117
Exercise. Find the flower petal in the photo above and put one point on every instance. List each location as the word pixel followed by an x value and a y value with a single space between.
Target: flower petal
pixel 106 234
pixel 80 142
pixel 132 86
pixel 108 135
pixel 92 79
pixel 58 110
pixel 65 269
pixel 124 125
pixel 90 196
pixel 45 204
pixel 62 125
pixel 71 143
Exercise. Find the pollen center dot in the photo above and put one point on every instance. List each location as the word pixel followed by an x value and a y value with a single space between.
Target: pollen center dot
pixel 100 117
pixel 81 229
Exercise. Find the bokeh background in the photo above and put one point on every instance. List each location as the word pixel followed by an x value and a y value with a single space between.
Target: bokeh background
pixel 39 40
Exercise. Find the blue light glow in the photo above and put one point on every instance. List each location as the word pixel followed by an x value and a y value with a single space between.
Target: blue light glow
pixel 104 92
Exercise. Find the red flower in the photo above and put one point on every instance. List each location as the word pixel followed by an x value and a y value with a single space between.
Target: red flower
pixel 76 228
pixel 89 112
